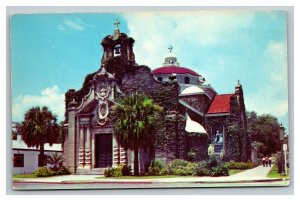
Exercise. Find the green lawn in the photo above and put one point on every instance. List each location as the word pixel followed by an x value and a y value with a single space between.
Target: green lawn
pixel 234 171
pixel 24 176
pixel 274 173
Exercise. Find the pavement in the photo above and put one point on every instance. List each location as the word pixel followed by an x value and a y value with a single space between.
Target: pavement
pixel 257 174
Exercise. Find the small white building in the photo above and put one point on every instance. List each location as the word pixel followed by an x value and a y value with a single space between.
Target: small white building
pixel 26 159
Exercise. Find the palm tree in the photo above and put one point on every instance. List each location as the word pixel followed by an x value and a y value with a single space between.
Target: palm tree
pixel 39 127
pixel 134 116
pixel 56 160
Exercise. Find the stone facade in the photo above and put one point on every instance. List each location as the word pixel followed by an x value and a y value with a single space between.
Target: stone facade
pixel 90 145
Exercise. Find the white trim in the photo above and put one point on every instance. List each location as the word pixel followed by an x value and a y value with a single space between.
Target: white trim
pixel 218 114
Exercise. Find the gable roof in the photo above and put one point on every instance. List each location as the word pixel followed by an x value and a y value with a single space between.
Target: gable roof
pixel 220 104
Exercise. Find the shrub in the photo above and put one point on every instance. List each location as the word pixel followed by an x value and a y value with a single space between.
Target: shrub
pixel 63 171
pixel 165 171
pixel 182 167
pixel 153 171
pixel 202 170
pixel 109 172
pixel 219 171
pixel 178 163
pixel 185 170
pixel 212 162
pixel 155 167
pixel 126 170
pixel 239 165
pixel 43 172
pixel 117 171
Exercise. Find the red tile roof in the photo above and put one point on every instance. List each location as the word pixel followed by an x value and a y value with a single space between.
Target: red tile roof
pixel 174 69
pixel 220 104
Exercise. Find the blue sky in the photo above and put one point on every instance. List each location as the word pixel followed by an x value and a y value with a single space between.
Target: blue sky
pixel 51 53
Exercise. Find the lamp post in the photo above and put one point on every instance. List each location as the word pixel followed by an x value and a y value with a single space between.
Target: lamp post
pixel 281 137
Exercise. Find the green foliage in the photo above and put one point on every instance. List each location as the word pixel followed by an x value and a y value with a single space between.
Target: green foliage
pixel 264 129
pixel 55 160
pixel 126 170
pixel 178 163
pixel 212 162
pixel 202 170
pixel 213 167
pixel 120 170
pixel 181 167
pixel 43 172
pixel 134 117
pixel 219 171
pixel 155 167
pixel 239 165
pixel 39 127
pixel 109 172
pixel 234 147
pixel 62 171
pixel 165 171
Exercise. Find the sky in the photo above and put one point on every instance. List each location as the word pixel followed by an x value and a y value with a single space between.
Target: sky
pixel 51 53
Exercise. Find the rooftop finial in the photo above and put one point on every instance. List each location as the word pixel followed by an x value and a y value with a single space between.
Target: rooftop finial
pixel 116 23
pixel 170 48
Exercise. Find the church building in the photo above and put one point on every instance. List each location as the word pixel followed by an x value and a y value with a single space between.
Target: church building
pixel 194 117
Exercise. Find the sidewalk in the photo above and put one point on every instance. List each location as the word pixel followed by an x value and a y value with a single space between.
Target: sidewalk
pixel 257 174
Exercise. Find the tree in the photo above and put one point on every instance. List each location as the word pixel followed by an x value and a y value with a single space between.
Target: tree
pixel 56 160
pixel 134 117
pixel 39 127
pixel 264 132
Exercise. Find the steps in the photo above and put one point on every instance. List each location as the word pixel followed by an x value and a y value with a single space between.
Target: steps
pixel 94 171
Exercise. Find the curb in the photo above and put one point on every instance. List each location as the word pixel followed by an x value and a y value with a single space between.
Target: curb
pixel 147 182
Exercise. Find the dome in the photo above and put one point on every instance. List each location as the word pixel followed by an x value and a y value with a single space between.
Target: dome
pixel 192 90
pixel 193 126
pixel 174 69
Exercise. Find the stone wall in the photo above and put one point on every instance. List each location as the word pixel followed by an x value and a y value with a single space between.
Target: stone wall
pixel 197 144
pixel 199 102
pixel 236 142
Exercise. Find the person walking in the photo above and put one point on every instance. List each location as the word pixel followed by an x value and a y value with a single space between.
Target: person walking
pixel 264 161
pixel 270 161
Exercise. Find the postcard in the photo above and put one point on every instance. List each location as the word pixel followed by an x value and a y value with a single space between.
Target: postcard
pixel 166 99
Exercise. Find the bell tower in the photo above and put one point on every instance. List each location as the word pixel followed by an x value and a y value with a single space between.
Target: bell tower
pixel 118 46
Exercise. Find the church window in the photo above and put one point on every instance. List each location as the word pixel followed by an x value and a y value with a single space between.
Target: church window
pixel 117 50
pixel 187 80
pixel 159 78
pixel 18 160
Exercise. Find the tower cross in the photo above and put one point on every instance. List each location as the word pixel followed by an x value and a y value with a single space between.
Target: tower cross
pixel 116 23
pixel 170 48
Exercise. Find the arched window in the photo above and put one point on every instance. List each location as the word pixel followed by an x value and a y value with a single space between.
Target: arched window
pixel 186 80
pixel 159 78
pixel 117 50
pixel 217 138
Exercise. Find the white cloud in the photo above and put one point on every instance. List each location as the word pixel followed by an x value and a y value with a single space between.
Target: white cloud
pixel 50 97
pixel 154 32
pixel 190 31
pixel 74 25
pixel 272 97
